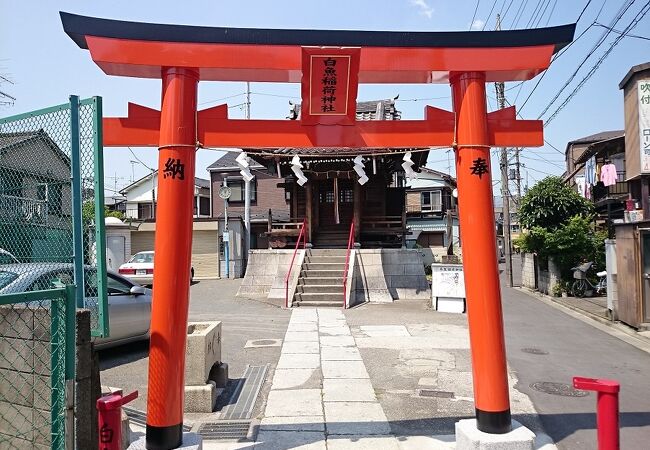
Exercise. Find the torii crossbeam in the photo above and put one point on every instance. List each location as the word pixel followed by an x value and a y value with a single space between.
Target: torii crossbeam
pixel 329 65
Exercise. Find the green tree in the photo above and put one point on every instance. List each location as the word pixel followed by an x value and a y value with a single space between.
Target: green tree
pixel 551 203
pixel 88 212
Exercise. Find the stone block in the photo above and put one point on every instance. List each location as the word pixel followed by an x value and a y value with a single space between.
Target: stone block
pixel 17 387
pixel 414 269
pixel 282 440
pixel 42 427
pixel 42 359
pixel 203 350
pixel 200 399
pixel 83 326
pixel 42 392
pixel 219 375
pixel 468 437
pixel 126 430
pixel 344 369
pixel 393 270
pixel 17 354
pixel 294 378
pixel 300 347
pixel 347 390
pixel 295 402
pixel 16 321
pixel 299 361
pixel 375 282
pixel 380 296
pixel 84 361
pixel 17 420
pixel 191 441
pixel 302 423
pixel 355 418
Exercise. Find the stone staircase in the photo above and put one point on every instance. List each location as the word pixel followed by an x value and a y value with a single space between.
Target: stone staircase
pixel 321 278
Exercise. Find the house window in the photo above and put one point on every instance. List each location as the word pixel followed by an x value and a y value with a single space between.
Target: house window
pixel 237 189
pixel 204 206
pixel 54 199
pixel 144 211
pixel 431 201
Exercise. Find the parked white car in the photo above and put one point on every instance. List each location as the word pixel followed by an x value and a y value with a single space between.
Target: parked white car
pixel 140 269
pixel 6 257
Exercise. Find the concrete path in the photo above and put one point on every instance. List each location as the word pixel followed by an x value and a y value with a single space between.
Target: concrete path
pixel 321 396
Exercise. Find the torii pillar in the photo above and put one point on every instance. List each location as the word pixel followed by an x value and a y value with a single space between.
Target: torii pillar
pixel 176 167
pixel 181 55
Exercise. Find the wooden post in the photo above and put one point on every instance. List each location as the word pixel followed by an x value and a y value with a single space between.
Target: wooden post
pixel 645 196
pixel 356 216
pixel 269 227
pixel 308 208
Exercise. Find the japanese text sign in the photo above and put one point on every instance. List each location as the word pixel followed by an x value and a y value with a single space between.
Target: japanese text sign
pixel 644 124
pixel 329 85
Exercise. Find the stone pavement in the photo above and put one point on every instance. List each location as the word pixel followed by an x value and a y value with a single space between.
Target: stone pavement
pixel 393 376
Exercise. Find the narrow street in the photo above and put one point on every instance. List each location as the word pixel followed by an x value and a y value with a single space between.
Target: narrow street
pixel 570 347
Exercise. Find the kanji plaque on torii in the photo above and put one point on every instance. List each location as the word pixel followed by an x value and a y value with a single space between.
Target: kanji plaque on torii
pixel 181 56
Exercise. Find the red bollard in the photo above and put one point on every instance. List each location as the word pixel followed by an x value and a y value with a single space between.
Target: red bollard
pixel 607 409
pixel 109 414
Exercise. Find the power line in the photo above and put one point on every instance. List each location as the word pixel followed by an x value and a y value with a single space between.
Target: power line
pixel 519 13
pixel 551 13
pixel 640 15
pixel 599 42
pixel 583 11
pixel 489 15
pixel 478 2
pixel 620 32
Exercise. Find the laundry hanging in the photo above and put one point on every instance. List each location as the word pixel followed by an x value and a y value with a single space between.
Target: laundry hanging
pixel 608 174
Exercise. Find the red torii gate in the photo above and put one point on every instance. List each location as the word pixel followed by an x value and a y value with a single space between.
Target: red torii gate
pixel 184 55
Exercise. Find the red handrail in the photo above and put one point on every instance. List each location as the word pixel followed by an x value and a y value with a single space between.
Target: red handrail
pixel 301 236
pixel 347 260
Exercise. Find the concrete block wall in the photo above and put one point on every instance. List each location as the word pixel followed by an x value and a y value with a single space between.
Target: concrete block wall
pixel 385 275
pixel 528 270
pixel 547 279
pixel 266 272
pixel 25 394
pixel 24 366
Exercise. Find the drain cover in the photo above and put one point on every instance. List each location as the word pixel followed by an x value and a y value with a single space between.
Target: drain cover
pixel 565 390
pixel 534 351
pixel 433 393
pixel 140 417
pixel 226 429
pixel 256 343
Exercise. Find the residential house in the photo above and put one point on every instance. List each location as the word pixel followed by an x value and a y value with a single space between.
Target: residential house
pixel 576 148
pixel 267 194
pixel 431 209
pixel 141 198
pixel 35 197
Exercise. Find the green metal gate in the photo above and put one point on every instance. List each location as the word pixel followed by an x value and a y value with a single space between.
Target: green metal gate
pixel 37 344
pixel 52 199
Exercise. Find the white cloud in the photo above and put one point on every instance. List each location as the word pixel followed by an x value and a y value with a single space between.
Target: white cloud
pixel 478 24
pixel 424 7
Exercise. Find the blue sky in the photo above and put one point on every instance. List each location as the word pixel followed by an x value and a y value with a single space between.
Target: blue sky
pixel 46 66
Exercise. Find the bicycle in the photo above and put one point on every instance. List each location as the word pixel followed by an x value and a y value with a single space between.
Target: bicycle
pixel 582 286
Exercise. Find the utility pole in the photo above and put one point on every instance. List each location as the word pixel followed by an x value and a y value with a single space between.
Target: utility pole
pixel 247 189
pixel 518 174
pixel 505 194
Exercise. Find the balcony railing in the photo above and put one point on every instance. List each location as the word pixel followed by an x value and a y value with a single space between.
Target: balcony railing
pixel 23 209
pixel 434 208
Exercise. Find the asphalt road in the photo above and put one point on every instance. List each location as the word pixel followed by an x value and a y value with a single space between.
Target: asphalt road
pixel 575 348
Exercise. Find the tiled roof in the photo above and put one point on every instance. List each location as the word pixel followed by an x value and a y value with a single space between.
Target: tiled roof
pixel 602 136
pixel 370 110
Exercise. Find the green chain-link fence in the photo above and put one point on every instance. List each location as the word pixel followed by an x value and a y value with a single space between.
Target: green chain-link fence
pixel 52 203
pixel 37 341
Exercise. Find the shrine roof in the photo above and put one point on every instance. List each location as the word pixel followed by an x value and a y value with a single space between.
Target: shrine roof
pixel 274 55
